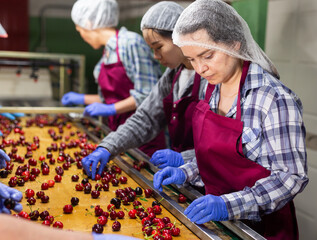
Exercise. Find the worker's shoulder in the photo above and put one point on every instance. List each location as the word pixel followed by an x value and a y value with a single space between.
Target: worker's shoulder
pixel 130 38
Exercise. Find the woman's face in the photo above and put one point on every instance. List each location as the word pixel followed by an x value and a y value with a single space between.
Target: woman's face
pixel 90 37
pixel 164 50
pixel 213 65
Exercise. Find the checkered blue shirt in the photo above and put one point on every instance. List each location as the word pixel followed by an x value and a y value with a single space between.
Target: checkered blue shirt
pixel 137 58
pixel 274 137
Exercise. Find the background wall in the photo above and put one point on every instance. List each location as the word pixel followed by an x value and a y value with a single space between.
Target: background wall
pixel 291 42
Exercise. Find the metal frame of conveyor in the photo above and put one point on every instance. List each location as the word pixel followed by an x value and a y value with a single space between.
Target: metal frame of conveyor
pixel 59 60
pixel 239 228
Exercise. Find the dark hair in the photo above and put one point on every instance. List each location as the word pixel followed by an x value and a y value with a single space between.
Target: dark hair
pixel 163 33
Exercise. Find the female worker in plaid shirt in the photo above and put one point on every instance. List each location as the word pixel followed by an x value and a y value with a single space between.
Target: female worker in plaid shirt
pixel 249 134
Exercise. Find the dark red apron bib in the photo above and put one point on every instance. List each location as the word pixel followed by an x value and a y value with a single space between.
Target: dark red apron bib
pixel 179 116
pixel 115 86
pixel 224 168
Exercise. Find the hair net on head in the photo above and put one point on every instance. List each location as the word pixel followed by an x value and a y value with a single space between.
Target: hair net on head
pixel 162 16
pixel 225 28
pixel 93 14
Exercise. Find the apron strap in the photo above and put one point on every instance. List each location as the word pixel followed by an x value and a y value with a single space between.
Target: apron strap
pixel 245 69
pixel 196 86
pixel 117 46
pixel 177 75
pixel 210 89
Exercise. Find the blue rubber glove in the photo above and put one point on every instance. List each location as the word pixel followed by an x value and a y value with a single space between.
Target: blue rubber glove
pixel 100 109
pixel 167 157
pixel 99 155
pixel 72 98
pixel 3 159
pixel 1 134
pixel 12 116
pixel 168 176
pixel 97 236
pixel 8 192
pixel 207 208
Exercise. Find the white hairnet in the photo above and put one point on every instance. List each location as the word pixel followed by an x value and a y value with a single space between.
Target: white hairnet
pixel 225 28
pixel 162 16
pixel 93 14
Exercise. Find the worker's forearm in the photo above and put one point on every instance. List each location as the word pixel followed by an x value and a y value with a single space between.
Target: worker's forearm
pixel 92 98
pixel 125 105
pixel 12 228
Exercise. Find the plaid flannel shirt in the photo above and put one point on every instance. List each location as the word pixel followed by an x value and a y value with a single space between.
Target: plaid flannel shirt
pixel 274 137
pixel 137 58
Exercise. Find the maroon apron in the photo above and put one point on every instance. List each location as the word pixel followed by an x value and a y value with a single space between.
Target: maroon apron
pixel 115 86
pixel 179 116
pixel 224 168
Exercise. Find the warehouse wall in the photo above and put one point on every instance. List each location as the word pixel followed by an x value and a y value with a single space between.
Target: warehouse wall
pixel 291 42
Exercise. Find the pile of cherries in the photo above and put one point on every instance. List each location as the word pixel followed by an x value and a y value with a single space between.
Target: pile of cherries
pixel 27 170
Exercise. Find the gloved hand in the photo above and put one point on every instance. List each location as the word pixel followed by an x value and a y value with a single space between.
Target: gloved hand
pixel 100 109
pixel 207 208
pixel 8 192
pixel 97 236
pixel 167 157
pixel 72 98
pixel 99 155
pixel 1 134
pixel 167 176
pixel 12 116
pixel 3 159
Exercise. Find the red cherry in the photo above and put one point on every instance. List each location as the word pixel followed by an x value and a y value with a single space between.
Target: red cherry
pixel 95 194
pixel 148 192
pixel 113 215
pixel 182 198
pixel 58 178
pixel 116 226
pixel 50 218
pixel 58 224
pixel 31 200
pixel 166 220
pixel 45 199
pixel 50 183
pixel 102 220
pixel 79 187
pixel 110 207
pixel 45 171
pixel 97 177
pixel 68 209
pixel 115 182
pixel 39 194
pixel 52 161
pixel 132 213
pixel 75 178
pixel 157 209
pixel 23 214
pixel 123 180
pixel 120 214
pixel 97 228
pixel 46 222
pixel 41 158
pixel 44 186
pixel 32 162
pixel 29 193
pixel 175 231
